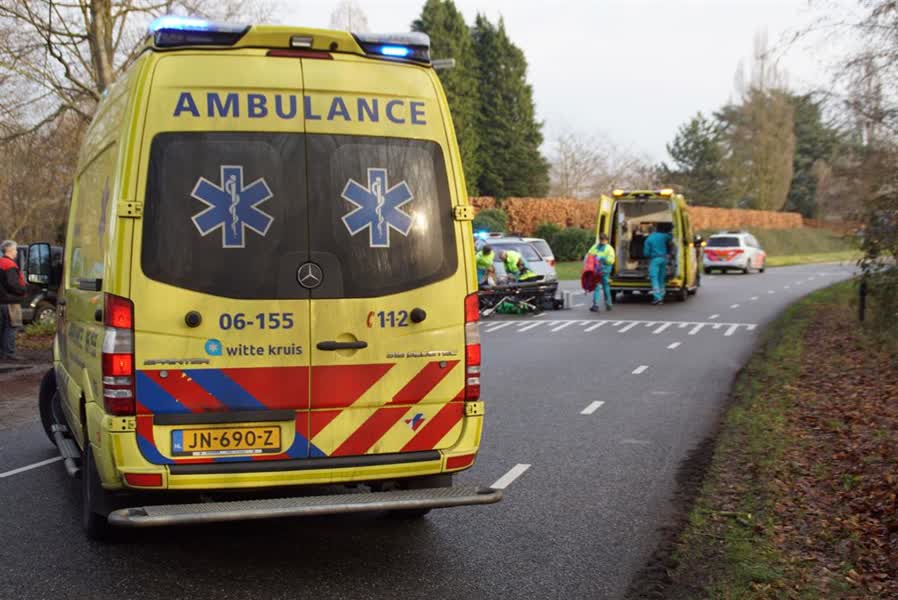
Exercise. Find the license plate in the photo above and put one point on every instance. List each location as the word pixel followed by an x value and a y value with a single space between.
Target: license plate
pixel 223 441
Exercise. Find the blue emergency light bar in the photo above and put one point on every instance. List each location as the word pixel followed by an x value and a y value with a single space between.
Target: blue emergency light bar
pixel 414 46
pixel 170 31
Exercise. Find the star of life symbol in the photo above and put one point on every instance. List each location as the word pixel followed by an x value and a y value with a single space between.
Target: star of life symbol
pixel 232 207
pixel 377 208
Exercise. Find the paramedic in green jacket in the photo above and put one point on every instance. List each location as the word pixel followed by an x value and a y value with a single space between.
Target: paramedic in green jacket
pixel 515 265
pixel 484 260
pixel 657 248
pixel 604 253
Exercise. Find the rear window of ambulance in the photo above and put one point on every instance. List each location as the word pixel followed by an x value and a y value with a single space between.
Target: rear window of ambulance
pixel 380 215
pixel 237 214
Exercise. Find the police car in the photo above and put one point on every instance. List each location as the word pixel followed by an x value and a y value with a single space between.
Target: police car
pixel 734 251
pixel 268 283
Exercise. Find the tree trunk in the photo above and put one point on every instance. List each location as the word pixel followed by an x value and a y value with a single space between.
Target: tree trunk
pixel 100 38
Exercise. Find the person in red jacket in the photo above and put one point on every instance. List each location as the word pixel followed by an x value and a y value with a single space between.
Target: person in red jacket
pixel 12 292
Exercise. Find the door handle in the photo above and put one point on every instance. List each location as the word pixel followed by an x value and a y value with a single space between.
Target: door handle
pixel 331 345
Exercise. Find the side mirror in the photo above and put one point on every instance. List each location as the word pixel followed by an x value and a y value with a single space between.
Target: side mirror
pixel 39 266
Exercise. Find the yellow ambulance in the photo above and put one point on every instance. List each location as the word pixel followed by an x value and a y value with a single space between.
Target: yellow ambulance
pixel 628 217
pixel 269 283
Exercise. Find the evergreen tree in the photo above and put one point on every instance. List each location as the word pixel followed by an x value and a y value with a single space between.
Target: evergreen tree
pixel 450 37
pixel 510 135
pixel 815 144
pixel 697 155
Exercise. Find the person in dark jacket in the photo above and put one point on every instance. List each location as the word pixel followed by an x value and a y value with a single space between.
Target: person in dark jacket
pixel 12 292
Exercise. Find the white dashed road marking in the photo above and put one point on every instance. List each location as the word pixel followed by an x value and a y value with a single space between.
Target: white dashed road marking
pixel 771 292
pixel 734 306
pixel 594 326
pixel 562 326
pixel 593 407
pixel 507 479
pixel 674 346
pixel 640 369
pixel 713 316
pixel 493 328
pixel 754 297
pixel 42 463
pixel 662 328
pixel 528 327
pixel 731 330
pixel 619 326
pixel 696 329
pixel 628 327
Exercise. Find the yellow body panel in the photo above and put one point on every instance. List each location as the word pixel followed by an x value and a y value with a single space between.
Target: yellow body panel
pixel 243 90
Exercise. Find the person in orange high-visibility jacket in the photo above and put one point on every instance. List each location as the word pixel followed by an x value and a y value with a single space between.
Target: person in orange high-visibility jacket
pixel 604 259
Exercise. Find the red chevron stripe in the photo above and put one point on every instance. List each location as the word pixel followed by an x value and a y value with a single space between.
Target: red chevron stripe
pixel 437 427
pixel 187 392
pixel 340 386
pixel 275 387
pixel 321 419
pixel 374 428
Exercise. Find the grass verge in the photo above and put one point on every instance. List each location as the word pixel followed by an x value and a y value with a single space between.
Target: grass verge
pixel 803 259
pixel 799 498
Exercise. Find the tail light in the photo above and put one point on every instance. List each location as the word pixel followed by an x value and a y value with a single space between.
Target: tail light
pixel 118 356
pixel 472 348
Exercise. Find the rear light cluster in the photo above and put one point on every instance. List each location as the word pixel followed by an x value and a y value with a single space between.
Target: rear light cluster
pixel 472 348
pixel 118 356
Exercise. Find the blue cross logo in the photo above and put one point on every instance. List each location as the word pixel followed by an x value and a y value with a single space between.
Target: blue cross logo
pixel 232 207
pixel 377 208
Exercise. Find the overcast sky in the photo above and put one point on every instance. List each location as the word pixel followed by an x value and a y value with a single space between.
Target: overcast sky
pixel 632 70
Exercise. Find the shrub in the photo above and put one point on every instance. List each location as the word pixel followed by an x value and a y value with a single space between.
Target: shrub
pixel 547 231
pixel 572 243
pixel 491 219
pixel 40 329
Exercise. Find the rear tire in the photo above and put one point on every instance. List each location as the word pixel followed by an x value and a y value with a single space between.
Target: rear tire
pixel 682 294
pixel 707 270
pixel 44 313
pixel 93 498
pixel 48 404
pixel 763 267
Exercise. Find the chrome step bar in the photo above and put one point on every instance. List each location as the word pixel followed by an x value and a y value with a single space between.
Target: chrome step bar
pixel 214 512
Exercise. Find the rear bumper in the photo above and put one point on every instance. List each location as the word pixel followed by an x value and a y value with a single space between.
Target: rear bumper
pixel 215 512
pixel 119 454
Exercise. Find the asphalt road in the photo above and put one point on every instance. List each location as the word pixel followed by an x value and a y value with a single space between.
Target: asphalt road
pixel 603 408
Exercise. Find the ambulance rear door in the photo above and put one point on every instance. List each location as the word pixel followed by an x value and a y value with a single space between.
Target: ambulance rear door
pixel 387 315
pixel 221 321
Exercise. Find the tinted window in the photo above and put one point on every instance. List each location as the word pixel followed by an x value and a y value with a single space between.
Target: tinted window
pixel 525 249
pixel 225 213
pixel 380 215
pixel 542 248
pixel 723 242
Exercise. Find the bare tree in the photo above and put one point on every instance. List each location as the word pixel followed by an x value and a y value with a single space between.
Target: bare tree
pixel 349 16
pixel 60 56
pixel 585 166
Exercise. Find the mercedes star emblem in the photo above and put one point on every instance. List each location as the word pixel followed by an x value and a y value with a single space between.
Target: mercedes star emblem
pixel 309 275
